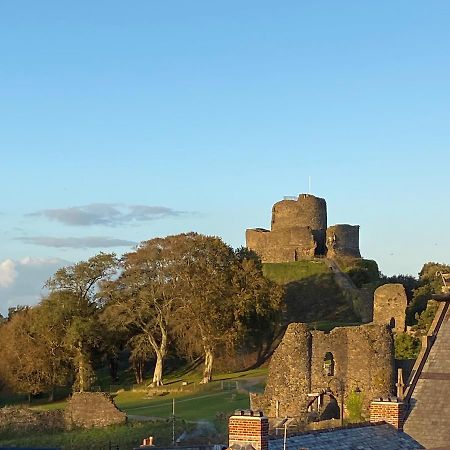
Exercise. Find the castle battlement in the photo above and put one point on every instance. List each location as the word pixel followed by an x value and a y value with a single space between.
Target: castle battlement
pixel 299 231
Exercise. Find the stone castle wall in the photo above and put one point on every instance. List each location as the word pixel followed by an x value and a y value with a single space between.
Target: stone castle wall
pixel 289 376
pixel 306 211
pixel 299 231
pixel 389 306
pixel 278 246
pixel 343 240
pixel 362 357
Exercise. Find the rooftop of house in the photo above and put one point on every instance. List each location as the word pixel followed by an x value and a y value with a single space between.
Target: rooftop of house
pixel 373 437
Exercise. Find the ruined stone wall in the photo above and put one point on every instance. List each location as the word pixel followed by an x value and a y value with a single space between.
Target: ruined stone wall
pixel 362 357
pixel 291 244
pixel 343 240
pixel 289 376
pixel 92 409
pixel 389 306
pixel 25 420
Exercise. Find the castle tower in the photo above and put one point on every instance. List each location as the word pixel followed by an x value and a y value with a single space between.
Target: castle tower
pixel 343 240
pixel 307 211
pixel 299 231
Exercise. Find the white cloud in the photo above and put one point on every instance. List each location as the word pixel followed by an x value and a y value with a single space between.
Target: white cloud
pixel 107 214
pixel 21 282
pixel 30 261
pixel 8 273
pixel 76 242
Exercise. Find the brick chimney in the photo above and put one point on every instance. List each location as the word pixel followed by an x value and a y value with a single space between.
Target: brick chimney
pixel 248 427
pixel 389 411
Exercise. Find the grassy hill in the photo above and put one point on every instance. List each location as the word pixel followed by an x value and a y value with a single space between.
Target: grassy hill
pixel 312 294
pixel 283 273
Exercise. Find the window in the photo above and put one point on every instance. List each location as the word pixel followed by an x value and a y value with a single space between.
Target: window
pixel 328 364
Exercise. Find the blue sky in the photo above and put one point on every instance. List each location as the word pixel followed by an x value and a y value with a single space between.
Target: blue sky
pixel 122 121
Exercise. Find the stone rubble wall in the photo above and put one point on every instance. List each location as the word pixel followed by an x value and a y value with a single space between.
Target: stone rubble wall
pixel 26 420
pixel 389 306
pixel 92 409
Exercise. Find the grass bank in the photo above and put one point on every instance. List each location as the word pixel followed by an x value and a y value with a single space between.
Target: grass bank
pixel 124 436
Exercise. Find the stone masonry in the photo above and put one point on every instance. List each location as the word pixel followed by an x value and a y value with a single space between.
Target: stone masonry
pixel 343 240
pixel 299 231
pixel 389 306
pixel 362 357
pixel 92 409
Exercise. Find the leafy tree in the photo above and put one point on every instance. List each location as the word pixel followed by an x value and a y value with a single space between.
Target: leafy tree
pixel 141 351
pixel 430 282
pixel 205 313
pixel 141 302
pixel 26 364
pixel 430 274
pixel 409 283
pixel 77 286
pixel 258 303
pixel 406 346
pixel 222 292
pixel 50 319
pixel 425 318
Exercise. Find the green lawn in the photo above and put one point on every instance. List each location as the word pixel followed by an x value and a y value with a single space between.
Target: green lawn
pixel 193 402
pixel 199 402
pixel 283 273
pixel 125 436
pixel 206 406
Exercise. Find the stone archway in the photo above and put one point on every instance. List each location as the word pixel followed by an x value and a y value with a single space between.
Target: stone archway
pixel 322 406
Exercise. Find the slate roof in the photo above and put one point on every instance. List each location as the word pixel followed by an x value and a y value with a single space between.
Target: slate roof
pixel 429 420
pixel 374 437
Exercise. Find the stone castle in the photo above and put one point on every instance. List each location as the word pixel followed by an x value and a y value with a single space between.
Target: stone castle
pixel 299 230
pixel 306 362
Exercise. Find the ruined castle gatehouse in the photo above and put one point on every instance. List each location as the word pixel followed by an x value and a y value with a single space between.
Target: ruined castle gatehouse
pixel 299 231
pixel 348 359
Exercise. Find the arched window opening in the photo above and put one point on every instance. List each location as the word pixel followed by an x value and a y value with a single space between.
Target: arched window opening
pixel 328 364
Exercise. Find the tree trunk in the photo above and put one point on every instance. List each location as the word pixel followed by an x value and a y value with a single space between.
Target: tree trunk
pixel 160 352
pixel 113 368
pixel 138 371
pixel 158 372
pixel 80 373
pixel 141 366
pixel 207 371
